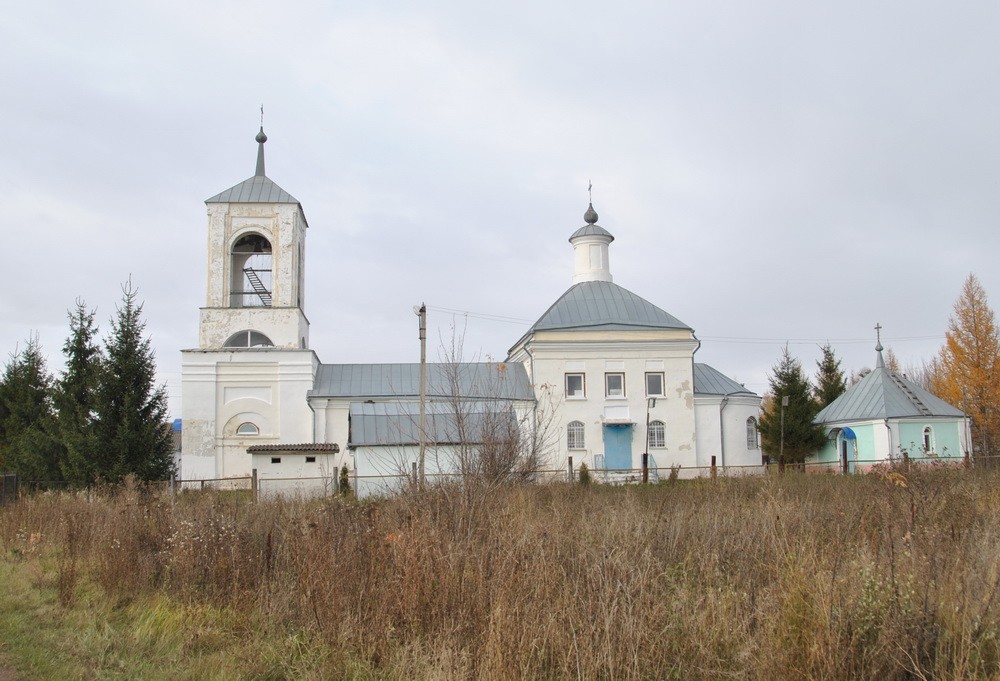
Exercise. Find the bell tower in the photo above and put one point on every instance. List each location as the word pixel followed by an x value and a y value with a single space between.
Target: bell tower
pixel 256 248
pixel 247 381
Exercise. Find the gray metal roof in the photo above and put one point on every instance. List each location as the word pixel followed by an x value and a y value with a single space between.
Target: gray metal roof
pixel 883 394
pixel 482 380
pixel 257 189
pixel 603 304
pixel 393 423
pixel 710 381
pixel 592 230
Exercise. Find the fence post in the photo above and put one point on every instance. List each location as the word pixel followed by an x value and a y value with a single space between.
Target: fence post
pixel 253 484
pixel 714 469
pixel 414 474
pixel 569 469
pixel 645 467
pixel 202 485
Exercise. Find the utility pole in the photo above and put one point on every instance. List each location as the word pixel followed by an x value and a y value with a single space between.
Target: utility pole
pixel 781 449
pixel 422 313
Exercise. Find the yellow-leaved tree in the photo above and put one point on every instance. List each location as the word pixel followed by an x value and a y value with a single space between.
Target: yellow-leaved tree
pixel 967 374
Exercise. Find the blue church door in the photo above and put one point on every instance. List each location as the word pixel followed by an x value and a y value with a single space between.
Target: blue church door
pixel 618 446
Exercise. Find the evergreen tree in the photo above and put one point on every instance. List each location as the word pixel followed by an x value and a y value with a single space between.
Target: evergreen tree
pixel 131 423
pixel 801 437
pixel 76 397
pixel 830 383
pixel 29 445
pixel 969 375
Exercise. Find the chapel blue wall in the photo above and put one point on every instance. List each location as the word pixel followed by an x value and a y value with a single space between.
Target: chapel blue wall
pixel 947 442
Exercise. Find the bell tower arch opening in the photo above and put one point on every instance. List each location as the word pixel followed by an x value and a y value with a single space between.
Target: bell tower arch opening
pixel 252 272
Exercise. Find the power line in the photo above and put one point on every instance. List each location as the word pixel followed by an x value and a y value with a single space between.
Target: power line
pixel 482 315
pixel 810 341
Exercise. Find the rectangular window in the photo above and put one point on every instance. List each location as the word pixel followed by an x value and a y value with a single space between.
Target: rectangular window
pixel 614 385
pixel 654 384
pixel 275 459
pixel 576 387
pixel 310 459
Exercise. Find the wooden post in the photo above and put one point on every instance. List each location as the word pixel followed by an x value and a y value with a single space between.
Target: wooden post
pixel 569 469
pixel 202 485
pixel 714 472
pixel 253 484
pixel 415 474
pixel 645 468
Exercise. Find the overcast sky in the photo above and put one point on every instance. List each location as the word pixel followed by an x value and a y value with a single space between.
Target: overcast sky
pixel 772 171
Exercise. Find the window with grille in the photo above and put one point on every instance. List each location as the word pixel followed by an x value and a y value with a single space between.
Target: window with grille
pixel 657 434
pixel 574 435
pixel 753 441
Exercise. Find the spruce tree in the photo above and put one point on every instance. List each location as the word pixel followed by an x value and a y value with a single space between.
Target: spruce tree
pixel 29 445
pixel 133 436
pixel 76 397
pixel 830 383
pixel 801 437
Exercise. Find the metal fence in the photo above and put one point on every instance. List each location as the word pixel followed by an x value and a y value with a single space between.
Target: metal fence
pixel 395 482
pixel 8 488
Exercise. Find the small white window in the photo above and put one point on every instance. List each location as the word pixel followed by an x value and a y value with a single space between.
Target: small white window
pixel 657 434
pixel 752 437
pixel 928 439
pixel 654 384
pixel 247 429
pixel 576 386
pixel 574 435
pixel 275 459
pixel 310 459
pixel 614 385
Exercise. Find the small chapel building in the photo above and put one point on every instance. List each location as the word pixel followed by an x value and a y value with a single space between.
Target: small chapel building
pixel 887 418
pixel 610 376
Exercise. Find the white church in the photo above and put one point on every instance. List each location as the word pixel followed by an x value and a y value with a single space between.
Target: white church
pixel 611 375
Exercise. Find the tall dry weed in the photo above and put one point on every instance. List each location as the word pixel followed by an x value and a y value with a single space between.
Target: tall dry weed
pixel 889 575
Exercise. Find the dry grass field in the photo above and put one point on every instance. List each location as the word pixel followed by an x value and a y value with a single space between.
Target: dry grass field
pixel 889 575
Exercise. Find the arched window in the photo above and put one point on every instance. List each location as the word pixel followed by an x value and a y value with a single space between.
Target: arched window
pixel 247 429
pixel 657 434
pixel 248 339
pixel 252 280
pixel 574 435
pixel 753 440
pixel 928 439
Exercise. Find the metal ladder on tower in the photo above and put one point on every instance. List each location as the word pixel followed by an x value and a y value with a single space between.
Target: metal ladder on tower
pixel 258 286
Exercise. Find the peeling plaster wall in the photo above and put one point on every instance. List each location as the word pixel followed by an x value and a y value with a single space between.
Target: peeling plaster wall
pixel 284 322
pixel 222 389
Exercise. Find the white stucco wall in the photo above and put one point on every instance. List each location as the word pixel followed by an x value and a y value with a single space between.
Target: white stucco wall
pixel 549 356
pixel 222 389
pixel 306 473
pixel 722 432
